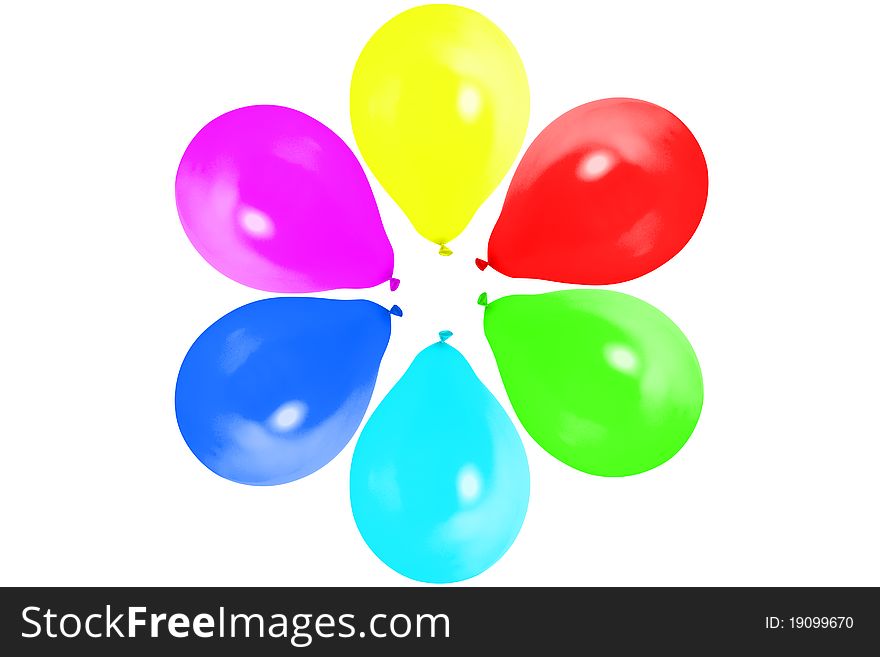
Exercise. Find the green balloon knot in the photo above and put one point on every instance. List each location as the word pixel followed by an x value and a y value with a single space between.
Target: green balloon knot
pixel 483 300
pixel 445 335
pixel 445 250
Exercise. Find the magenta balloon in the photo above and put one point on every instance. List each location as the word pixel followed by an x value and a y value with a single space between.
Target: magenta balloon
pixel 275 200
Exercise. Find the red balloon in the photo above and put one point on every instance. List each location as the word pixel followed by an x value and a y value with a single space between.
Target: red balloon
pixel 607 192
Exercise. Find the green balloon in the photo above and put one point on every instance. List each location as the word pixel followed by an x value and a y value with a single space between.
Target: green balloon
pixel 604 382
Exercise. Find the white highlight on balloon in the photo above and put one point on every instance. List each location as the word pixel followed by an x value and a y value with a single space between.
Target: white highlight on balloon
pixel 288 416
pixel 470 484
pixel 595 165
pixel 470 103
pixel 255 223
pixel 249 452
pixel 621 358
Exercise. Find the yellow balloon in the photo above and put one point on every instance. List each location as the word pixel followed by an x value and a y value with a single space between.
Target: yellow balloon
pixel 439 108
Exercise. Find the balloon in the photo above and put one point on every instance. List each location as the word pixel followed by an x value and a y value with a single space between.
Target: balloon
pixel 607 192
pixel 275 200
pixel 439 477
pixel 604 382
pixel 274 390
pixel 439 107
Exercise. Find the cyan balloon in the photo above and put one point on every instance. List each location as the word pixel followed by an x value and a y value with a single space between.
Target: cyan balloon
pixel 274 390
pixel 439 477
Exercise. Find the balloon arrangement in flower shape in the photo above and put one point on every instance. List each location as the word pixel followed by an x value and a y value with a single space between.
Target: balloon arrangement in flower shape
pixel 275 200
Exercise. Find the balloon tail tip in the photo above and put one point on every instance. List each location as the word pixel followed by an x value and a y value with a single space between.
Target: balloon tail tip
pixel 396 311
pixel 445 250
pixel 483 299
pixel 481 264
pixel 445 335
pixel 394 283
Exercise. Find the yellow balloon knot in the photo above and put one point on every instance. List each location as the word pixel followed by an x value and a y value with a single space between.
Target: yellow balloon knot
pixel 445 250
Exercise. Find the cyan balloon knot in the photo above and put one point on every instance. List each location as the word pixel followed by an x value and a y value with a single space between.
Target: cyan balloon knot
pixel 396 311
pixel 481 264
pixel 483 299
pixel 394 283
pixel 445 250
pixel 445 335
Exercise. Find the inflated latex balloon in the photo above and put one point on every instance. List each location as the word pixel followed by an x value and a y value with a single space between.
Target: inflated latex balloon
pixel 603 381
pixel 439 107
pixel 439 477
pixel 275 200
pixel 275 389
pixel 606 193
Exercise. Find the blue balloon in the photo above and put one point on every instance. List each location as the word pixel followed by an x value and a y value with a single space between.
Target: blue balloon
pixel 274 390
pixel 439 477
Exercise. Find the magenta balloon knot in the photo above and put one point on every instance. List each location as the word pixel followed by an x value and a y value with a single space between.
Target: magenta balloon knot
pixel 394 283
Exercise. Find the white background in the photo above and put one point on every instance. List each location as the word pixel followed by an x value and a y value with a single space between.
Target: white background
pixel 103 294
